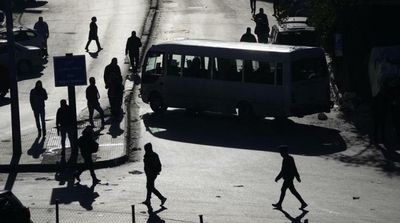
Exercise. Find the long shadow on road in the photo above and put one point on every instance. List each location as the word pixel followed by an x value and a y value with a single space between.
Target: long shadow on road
pixel 227 131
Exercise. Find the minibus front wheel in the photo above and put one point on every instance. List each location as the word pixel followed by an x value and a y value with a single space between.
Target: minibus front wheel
pixel 157 104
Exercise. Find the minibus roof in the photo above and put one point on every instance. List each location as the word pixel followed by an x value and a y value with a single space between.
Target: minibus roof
pixel 238 50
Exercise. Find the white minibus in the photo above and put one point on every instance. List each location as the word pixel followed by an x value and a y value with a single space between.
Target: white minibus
pixel 247 79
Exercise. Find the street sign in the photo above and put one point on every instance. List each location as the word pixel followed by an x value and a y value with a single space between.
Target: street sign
pixel 69 70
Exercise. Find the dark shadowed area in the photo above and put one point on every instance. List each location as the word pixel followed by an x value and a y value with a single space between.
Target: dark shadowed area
pixel 228 131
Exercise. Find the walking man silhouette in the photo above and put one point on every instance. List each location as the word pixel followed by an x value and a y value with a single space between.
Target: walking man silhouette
pixel 253 6
pixel 288 173
pixel 93 35
pixel 113 82
pixel 43 29
pixel 87 145
pixel 248 36
pixel 152 168
pixel 37 97
pixel 92 96
pixel 132 48
pixel 64 124
pixel 262 26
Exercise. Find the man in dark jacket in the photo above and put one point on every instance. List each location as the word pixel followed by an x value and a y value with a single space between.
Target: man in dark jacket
pixel 93 35
pixel 262 26
pixel 43 29
pixel 37 97
pixel 113 82
pixel 288 173
pixel 380 110
pixel 248 37
pixel 65 125
pixel 87 145
pixel 152 168
pixel 92 96
pixel 132 48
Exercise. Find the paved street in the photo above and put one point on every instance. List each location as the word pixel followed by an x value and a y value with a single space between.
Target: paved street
pixel 70 36
pixel 212 165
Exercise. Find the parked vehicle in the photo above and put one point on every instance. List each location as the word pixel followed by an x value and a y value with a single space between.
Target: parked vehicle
pixel 12 210
pixel 2 19
pixel 26 37
pixel 294 31
pixel 247 79
pixel 27 57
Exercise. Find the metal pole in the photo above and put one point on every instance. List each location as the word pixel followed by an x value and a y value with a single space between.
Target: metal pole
pixel 15 121
pixel 57 212
pixel 201 218
pixel 72 104
pixel 133 213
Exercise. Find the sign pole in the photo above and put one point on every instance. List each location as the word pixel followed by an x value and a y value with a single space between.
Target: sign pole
pixel 15 119
pixel 72 104
pixel 71 71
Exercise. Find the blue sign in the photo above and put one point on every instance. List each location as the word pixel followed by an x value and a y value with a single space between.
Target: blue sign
pixel 69 70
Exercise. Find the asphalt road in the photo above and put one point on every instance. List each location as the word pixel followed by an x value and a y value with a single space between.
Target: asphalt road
pixel 224 170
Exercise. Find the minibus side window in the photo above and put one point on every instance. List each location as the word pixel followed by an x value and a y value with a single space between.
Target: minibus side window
pixel 279 73
pixel 154 65
pixel 188 66
pixel 309 68
pixel 261 72
pixel 196 67
pixel 174 65
pixel 227 69
pixel 206 67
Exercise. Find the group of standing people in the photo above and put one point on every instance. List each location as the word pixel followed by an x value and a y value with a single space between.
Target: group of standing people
pixel 261 29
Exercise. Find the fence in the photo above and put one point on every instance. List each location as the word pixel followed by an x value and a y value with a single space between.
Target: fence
pixel 61 214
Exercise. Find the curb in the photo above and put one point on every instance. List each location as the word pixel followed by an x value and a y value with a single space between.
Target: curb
pixel 48 168
pixel 146 33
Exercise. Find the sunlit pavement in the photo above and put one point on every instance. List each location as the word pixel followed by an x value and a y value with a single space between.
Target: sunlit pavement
pixel 216 167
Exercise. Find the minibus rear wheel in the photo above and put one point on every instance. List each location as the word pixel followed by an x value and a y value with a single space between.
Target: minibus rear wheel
pixel 157 104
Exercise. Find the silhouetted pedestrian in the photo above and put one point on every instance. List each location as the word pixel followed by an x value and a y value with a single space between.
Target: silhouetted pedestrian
pixel 380 109
pixel 37 97
pixel 43 29
pixel 152 168
pixel 113 82
pixel 65 125
pixel 87 145
pixel 92 96
pixel 248 36
pixel 253 6
pixel 288 173
pixel 93 35
pixel 276 6
pixel 262 26
pixel 132 48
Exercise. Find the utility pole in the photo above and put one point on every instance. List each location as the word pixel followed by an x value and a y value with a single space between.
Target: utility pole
pixel 15 121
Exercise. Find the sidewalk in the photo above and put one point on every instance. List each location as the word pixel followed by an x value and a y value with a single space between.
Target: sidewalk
pixel 42 154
